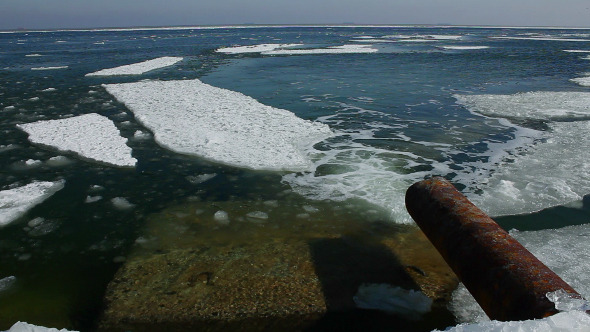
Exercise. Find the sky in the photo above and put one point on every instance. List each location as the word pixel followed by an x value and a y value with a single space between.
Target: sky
pixel 53 14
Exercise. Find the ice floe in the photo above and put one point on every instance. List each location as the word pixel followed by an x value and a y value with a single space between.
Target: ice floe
pixel 49 68
pixel 391 299
pixel 15 202
pixel 195 118
pixel 92 136
pixel 583 81
pixel 138 68
pixel 121 203
pixel 464 47
pixel 26 327
pixel 542 38
pixel 255 48
pixel 577 51
pixel 343 49
pixel 6 283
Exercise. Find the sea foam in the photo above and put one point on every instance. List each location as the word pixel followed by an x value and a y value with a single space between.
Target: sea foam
pixel 195 118
pixel 138 68
pixel 14 203
pixel 91 136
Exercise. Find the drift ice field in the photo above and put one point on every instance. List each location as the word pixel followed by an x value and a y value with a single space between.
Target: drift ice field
pixel 103 128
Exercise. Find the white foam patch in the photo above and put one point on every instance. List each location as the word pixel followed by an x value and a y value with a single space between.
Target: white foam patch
pixel 91 136
pixel 465 47
pixel 540 38
pixel 195 118
pixel 26 327
pixel 33 55
pixel 565 251
pixel 346 168
pixel 530 105
pixel 577 51
pixel 391 299
pixel 14 203
pixel 343 49
pixel 583 81
pixel 255 48
pixel 49 68
pixel 138 68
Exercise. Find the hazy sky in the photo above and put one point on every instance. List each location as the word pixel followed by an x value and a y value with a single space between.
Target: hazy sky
pixel 35 14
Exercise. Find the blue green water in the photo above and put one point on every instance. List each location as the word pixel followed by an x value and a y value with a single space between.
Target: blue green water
pixel 394 114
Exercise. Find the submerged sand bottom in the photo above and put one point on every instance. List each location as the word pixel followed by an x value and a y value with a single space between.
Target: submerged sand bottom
pixel 277 270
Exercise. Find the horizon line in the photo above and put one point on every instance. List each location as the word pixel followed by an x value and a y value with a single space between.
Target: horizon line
pixel 286 25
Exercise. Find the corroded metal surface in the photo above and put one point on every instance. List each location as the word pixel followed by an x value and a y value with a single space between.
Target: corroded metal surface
pixel 504 277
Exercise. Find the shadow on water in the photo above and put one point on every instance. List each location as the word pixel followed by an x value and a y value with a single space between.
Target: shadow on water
pixel 342 265
pixel 554 217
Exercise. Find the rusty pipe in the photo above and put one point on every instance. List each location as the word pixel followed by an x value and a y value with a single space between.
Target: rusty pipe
pixel 507 281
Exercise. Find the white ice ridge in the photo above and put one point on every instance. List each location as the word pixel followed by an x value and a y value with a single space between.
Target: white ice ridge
pixel 254 48
pixel 138 68
pixel 26 327
pixel 565 251
pixel 465 47
pixel 195 118
pixel 530 105
pixel 92 136
pixel 328 50
pixel 15 202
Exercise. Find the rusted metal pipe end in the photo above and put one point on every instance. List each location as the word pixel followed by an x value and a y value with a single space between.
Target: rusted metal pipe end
pixel 507 280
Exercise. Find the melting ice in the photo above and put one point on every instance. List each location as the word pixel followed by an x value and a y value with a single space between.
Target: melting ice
pixel 14 203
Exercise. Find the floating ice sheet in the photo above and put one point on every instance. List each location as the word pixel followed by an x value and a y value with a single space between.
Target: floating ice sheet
pixel 343 49
pixel 543 39
pixel 49 68
pixel 391 299
pixel 254 48
pixel 464 47
pixel 15 202
pixel 195 118
pixel 530 105
pixel 91 136
pixel 583 81
pixel 138 68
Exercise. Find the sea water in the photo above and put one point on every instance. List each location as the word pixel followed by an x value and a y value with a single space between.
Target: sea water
pixel 346 116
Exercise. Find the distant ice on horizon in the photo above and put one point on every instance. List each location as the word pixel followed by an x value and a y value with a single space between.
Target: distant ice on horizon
pixel 92 136
pixel 194 118
pixel 138 68
pixel 254 48
pixel 343 49
pixel 14 203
